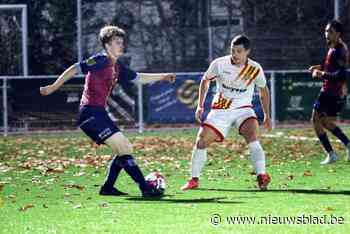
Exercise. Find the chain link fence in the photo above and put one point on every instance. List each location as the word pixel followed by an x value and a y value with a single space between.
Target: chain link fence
pixel 163 36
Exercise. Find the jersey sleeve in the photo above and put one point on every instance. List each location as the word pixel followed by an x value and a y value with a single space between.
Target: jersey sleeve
pixel 212 72
pixel 341 61
pixel 94 63
pixel 260 80
pixel 127 75
pixel 342 57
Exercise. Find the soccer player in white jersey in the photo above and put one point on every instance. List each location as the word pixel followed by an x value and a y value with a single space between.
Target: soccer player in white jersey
pixel 236 76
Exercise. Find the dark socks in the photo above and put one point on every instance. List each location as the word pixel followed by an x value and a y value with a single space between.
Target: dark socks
pixel 130 166
pixel 325 142
pixel 340 135
pixel 112 174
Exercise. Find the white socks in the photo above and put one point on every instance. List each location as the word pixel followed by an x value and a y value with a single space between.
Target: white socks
pixel 257 157
pixel 199 157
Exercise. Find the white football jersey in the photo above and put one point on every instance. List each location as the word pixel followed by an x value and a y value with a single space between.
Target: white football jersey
pixel 234 84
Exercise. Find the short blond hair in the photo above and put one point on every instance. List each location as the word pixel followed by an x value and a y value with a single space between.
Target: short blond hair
pixel 107 33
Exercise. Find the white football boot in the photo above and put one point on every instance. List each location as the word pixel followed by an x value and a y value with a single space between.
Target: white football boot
pixel 331 158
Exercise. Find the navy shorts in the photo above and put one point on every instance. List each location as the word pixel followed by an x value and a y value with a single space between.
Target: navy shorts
pixel 329 105
pixel 95 122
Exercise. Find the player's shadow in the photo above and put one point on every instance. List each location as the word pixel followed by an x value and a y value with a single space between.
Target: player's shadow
pixel 305 191
pixel 219 200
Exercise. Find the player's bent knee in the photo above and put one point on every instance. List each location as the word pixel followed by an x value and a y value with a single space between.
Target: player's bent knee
pixel 315 120
pixel 201 145
pixel 125 149
pixel 119 144
pixel 205 137
pixel 250 137
pixel 249 132
pixel 329 125
pixel 202 142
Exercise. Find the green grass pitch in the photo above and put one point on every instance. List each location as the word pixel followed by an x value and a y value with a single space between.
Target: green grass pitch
pixel 49 184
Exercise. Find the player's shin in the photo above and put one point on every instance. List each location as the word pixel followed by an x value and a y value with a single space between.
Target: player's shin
pixel 340 135
pixel 257 157
pixel 112 173
pixel 133 170
pixel 199 158
pixel 325 142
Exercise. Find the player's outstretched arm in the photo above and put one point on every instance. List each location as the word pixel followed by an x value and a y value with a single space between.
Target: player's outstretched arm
pixel 145 78
pixel 66 75
pixel 265 101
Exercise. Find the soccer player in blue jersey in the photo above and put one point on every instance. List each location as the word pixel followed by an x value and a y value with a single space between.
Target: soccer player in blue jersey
pixel 103 71
pixel 332 97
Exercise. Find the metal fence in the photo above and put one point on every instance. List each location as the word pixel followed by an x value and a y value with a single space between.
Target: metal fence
pixel 24 110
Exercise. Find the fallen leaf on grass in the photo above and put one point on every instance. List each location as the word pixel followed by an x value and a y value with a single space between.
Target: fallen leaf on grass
pixel 103 204
pixel 55 170
pixel 26 207
pixel 227 159
pixel 330 209
pixel 78 206
pixel 79 174
pixel 80 187
pixel 12 198
pixel 4 168
pixel 307 173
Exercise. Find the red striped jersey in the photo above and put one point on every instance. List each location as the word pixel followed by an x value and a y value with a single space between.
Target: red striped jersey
pixel 235 84
pixel 101 77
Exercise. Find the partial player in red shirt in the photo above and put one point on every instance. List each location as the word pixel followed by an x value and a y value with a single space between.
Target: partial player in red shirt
pixel 332 97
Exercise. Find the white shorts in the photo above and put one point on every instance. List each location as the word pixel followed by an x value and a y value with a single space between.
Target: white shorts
pixel 221 120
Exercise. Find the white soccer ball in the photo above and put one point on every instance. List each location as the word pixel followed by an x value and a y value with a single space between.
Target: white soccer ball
pixel 156 180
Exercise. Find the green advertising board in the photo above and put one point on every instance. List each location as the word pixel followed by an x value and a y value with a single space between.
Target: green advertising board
pixel 296 94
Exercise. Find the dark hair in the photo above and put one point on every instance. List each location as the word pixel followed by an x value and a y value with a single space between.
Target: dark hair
pixel 241 40
pixel 107 33
pixel 336 25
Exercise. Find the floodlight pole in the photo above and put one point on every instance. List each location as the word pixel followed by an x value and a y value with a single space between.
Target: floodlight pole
pixel 25 40
pixel 79 31
pixel 336 9
pixel 210 33
pixel 273 99
pixel 140 106
pixel 4 103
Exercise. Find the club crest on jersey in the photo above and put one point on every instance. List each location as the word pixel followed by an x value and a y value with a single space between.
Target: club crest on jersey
pixel 248 74
pixel 91 61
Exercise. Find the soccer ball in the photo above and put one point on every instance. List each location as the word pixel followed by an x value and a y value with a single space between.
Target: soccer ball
pixel 156 181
